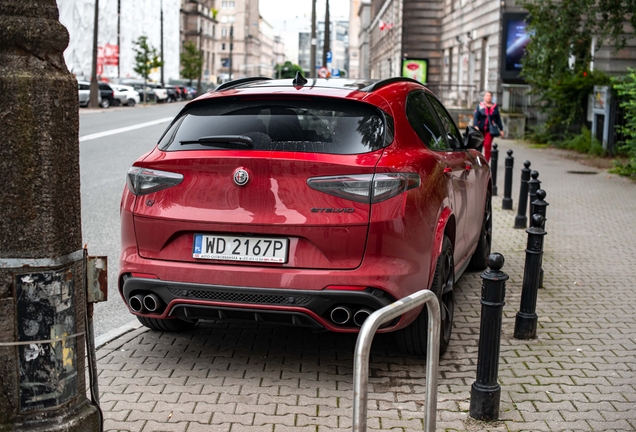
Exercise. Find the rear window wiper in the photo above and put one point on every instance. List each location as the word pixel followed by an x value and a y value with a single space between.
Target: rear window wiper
pixel 231 141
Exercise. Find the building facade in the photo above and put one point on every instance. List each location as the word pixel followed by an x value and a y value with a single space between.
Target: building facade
pixel 338 43
pixel 198 25
pixel 468 45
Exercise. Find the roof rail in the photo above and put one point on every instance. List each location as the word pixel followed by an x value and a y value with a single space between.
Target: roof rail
pixel 385 82
pixel 238 82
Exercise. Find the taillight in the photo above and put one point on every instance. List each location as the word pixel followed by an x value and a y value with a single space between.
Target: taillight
pixel 142 181
pixel 366 188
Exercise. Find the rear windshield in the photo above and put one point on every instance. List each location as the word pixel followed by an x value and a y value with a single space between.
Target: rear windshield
pixel 313 125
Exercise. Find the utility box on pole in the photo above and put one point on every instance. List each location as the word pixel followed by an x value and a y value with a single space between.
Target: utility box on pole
pixel 42 264
pixel 601 114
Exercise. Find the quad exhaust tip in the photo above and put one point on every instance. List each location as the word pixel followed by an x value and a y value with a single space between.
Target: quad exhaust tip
pixel 340 315
pixel 360 316
pixel 136 303
pixel 152 302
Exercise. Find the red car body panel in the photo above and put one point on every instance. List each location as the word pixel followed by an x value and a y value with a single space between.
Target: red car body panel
pixel 391 246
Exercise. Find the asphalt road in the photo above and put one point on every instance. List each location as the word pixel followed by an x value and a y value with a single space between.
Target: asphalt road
pixel 104 162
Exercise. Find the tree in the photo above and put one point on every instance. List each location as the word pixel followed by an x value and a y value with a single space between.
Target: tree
pixel 191 62
pixel 146 59
pixel 287 70
pixel 562 31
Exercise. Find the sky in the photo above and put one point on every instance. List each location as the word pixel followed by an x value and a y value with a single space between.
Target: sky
pixel 286 13
pixel 288 17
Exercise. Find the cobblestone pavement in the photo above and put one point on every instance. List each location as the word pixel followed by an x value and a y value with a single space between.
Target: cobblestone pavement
pixel 579 374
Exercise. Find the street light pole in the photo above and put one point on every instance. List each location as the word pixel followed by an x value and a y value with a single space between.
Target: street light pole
pixel 161 20
pixel 93 101
pixel 312 42
pixel 231 46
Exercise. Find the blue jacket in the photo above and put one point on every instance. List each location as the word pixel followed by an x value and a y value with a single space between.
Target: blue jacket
pixel 481 117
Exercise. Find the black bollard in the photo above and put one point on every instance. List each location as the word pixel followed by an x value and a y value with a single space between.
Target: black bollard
pixel 533 186
pixel 506 202
pixel 494 159
pixel 521 220
pixel 485 392
pixel 526 320
pixel 539 206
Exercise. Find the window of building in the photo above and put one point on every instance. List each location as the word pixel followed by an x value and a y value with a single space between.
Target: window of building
pixel 231 18
pixel 222 46
pixel 224 19
pixel 450 65
pixel 228 4
pixel 223 31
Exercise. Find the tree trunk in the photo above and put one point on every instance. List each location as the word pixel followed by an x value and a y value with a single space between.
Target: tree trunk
pixel 41 260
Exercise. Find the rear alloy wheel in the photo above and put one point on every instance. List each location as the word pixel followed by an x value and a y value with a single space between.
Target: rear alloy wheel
pixel 167 325
pixel 414 338
pixel 130 102
pixel 479 260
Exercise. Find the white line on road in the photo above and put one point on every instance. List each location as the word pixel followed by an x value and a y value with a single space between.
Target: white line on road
pixel 124 129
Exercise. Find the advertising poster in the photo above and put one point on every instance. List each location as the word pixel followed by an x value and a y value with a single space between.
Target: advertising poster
pixel 516 44
pixel 416 69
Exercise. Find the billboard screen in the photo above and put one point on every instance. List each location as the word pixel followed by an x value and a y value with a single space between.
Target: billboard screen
pixel 516 39
pixel 416 69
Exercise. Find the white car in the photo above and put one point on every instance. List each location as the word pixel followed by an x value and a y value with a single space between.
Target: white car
pixel 126 95
pixel 84 93
pixel 161 94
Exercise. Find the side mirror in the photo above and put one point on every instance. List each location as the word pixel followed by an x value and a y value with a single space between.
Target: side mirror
pixel 473 138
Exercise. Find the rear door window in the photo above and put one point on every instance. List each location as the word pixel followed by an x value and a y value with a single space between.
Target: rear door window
pixel 316 125
pixel 452 133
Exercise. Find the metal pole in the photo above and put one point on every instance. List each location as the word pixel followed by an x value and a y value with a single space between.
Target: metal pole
pixel 526 319
pixel 506 202
pixel 326 47
pixel 363 348
pixel 541 207
pixel 521 220
pixel 494 159
pixel 312 51
pixel 485 393
pixel 231 47
pixel 161 21
pixel 93 101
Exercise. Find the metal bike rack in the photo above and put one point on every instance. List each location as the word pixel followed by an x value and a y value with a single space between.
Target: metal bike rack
pixel 363 348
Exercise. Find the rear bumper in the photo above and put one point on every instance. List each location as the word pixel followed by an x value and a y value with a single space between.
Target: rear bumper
pixel 271 305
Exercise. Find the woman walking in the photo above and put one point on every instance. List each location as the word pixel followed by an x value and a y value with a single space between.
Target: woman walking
pixel 488 121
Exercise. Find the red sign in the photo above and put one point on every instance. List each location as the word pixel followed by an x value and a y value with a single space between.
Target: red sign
pixel 323 72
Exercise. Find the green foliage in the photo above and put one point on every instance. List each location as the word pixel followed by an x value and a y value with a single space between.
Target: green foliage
pixel 191 61
pixel 146 58
pixel 625 88
pixel 560 31
pixel 287 70
pixel 584 143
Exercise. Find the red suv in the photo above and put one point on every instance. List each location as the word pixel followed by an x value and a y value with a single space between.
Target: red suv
pixel 305 203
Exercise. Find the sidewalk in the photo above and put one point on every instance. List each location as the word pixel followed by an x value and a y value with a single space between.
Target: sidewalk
pixel 578 375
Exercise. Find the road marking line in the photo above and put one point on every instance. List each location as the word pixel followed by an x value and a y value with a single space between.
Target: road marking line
pixel 124 129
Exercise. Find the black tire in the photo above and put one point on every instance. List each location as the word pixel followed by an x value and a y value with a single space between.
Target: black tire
pixel 479 260
pixel 167 325
pixel 414 338
pixel 105 103
pixel 130 102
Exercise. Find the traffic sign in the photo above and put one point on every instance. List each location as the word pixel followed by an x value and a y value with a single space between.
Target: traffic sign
pixel 323 72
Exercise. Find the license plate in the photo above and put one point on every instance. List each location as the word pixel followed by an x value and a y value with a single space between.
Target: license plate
pixel 238 248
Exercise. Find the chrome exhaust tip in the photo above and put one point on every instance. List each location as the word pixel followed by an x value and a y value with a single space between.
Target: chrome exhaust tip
pixel 152 302
pixel 136 303
pixel 340 315
pixel 360 316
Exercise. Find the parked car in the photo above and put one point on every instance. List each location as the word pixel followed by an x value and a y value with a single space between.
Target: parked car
pixel 84 93
pixel 126 95
pixel 108 95
pixel 306 205
pixel 161 94
pixel 173 93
